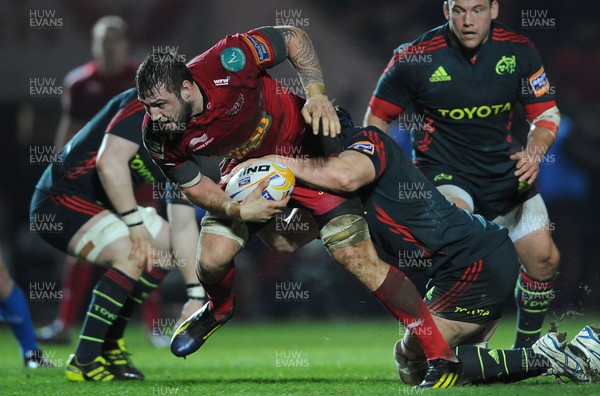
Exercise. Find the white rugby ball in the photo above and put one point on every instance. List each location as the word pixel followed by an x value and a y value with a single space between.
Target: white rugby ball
pixel 243 182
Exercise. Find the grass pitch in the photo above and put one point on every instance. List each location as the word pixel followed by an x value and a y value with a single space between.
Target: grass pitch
pixel 314 358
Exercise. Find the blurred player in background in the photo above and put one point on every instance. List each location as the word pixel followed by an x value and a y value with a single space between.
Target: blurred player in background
pixel 90 192
pixel 471 264
pixel 88 88
pixel 14 311
pixel 223 103
pixel 464 79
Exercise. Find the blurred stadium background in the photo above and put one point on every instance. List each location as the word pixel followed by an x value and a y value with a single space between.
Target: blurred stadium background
pixel 354 40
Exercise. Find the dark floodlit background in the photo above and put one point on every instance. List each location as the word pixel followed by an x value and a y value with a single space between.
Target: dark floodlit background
pixel 354 40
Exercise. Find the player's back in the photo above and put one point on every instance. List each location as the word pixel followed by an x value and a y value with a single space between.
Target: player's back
pixel 75 165
pixel 406 213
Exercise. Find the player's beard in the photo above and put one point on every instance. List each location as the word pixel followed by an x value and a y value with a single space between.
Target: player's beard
pixel 179 122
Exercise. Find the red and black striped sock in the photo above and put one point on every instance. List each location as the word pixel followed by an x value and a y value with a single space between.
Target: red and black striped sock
pixel 108 299
pixel 142 289
pixel 401 298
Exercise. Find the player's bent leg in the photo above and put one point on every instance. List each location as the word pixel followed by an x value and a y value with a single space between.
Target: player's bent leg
pixel 115 349
pixel 220 241
pixel 104 240
pixel 347 239
pixel 410 358
pixel 529 228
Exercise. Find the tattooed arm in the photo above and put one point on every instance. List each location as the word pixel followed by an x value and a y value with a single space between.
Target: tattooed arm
pixel 317 111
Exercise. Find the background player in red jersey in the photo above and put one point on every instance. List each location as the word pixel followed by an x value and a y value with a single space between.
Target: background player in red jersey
pixel 464 92
pixel 223 103
pixel 88 88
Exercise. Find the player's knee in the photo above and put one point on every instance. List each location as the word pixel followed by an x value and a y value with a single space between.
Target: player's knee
pixel 211 268
pixel 545 263
pixel 343 231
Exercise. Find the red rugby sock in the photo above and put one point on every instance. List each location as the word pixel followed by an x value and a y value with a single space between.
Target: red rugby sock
pixel 401 298
pixel 220 294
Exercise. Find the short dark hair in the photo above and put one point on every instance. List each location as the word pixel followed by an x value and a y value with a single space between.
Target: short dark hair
pixel 166 70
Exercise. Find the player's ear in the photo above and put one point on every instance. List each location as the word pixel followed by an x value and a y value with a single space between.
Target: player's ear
pixel 495 9
pixel 446 10
pixel 186 89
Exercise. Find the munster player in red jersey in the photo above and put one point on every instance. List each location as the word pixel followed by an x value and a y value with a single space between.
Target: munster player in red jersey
pixel 224 103
pixel 464 91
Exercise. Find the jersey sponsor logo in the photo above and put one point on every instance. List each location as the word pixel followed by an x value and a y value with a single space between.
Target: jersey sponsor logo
pixel 139 167
pixel 260 49
pixel 440 75
pixel 476 111
pixel 200 142
pixel 255 139
pixel 364 146
pixel 233 59
pixel 539 82
pixel 222 81
pixel 442 176
pixel 506 65
pixel 472 311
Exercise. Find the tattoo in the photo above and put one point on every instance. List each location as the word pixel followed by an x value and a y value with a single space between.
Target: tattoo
pixel 302 55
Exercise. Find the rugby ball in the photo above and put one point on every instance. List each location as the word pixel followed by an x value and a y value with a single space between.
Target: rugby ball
pixel 243 182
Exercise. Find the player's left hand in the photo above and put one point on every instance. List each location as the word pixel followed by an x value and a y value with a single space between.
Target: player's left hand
pixel 143 247
pixel 528 165
pixel 320 114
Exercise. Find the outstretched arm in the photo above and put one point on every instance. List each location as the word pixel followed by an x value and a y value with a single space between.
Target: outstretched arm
pixel 303 57
pixel 348 172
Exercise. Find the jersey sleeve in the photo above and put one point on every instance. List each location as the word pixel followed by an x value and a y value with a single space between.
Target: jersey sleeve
pixel 267 46
pixel 250 54
pixel 393 92
pixel 372 143
pixel 535 85
pixel 176 164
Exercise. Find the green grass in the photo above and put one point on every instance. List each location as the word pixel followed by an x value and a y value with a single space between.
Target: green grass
pixel 330 358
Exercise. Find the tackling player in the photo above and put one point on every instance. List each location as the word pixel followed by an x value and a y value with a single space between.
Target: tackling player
pixel 464 94
pixel 89 192
pixel 223 103
pixel 470 261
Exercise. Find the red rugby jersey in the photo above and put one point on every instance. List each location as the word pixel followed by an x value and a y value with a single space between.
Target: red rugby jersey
pixel 247 113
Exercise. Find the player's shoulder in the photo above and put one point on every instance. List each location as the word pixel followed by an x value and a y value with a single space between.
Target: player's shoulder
pixel 127 96
pixel 81 74
pixel 502 34
pixel 431 40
